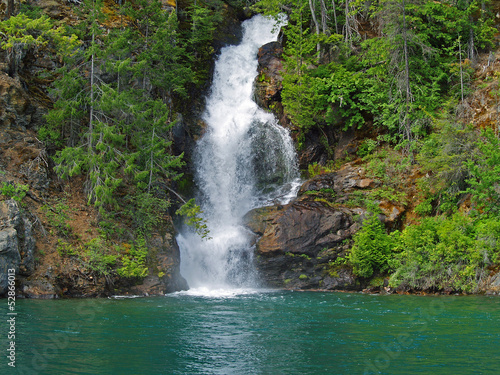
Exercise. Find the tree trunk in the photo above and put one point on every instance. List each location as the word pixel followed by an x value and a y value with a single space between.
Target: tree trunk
pixel 151 161
pixel 350 23
pixel 407 125
pixel 316 26
pixel 10 9
pixel 91 120
pixel 461 71
pixel 335 17
pixel 324 17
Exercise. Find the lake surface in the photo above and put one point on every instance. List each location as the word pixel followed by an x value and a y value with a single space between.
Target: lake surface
pixel 259 332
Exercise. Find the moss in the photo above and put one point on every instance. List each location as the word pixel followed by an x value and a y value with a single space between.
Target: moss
pixel 377 282
pixel 333 273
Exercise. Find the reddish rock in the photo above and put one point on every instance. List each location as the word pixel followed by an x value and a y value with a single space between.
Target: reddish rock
pixel 304 228
pixel 391 212
pixel 366 183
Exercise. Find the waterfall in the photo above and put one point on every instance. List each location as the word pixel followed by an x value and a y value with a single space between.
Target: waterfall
pixel 243 161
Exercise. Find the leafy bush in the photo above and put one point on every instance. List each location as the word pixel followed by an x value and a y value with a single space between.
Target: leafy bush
pixel 66 249
pixel 149 213
pixel 356 199
pixel 192 214
pixel 390 194
pixel 57 215
pixel 14 191
pixel 367 147
pixel 443 159
pixel 134 260
pixel 372 246
pixel 485 174
pixel 97 257
pixel 446 253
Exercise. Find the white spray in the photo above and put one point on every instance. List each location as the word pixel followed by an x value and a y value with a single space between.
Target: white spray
pixel 244 160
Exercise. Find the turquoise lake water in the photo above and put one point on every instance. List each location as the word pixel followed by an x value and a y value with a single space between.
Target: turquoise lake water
pixel 279 332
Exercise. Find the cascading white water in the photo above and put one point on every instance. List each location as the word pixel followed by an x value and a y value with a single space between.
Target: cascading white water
pixel 244 160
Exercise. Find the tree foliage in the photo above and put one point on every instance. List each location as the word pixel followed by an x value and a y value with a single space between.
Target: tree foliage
pixel 395 78
pixel 446 253
pixel 372 246
pixel 114 97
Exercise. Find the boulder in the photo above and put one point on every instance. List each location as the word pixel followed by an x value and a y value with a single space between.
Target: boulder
pixel 39 289
pixel 297 242
pixel 302 228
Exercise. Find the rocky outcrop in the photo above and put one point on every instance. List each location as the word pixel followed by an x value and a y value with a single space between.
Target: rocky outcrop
pixel 166 277
pixel 15 105
pixel 348 182
pixel 70 277
pixel 297 244
pixel 301 227
pixel 492 284
pixel 17 244
pixel 268 85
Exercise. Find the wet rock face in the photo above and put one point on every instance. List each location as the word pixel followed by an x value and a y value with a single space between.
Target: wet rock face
pixel 492 284
pixel 168 279
pixel 17 244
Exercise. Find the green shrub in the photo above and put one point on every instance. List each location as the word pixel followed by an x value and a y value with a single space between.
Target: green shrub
pixel 356 199
pixel 485 174
pixel 57 215
pixel 372 246
pixel 149 213
pixel 390 194
pixel 97 257
pixel 446 253
pixel 14 190
pixel 424 208
pixel 134 260
pixel 66 249
pixel 367 147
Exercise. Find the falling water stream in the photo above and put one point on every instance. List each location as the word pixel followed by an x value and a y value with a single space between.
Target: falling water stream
pixel 243 161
